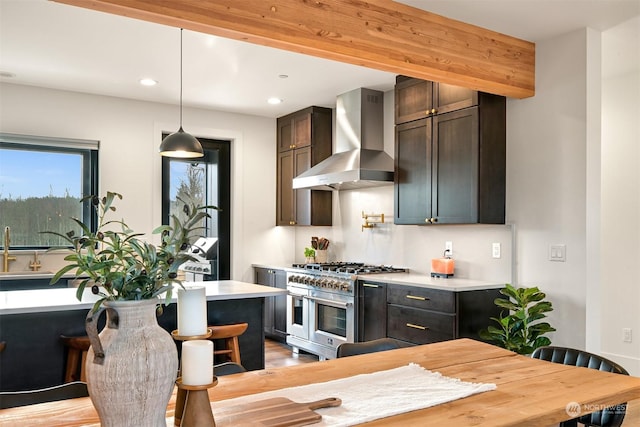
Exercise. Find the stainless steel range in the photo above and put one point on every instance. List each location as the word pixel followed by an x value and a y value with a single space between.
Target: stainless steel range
pixel 321 312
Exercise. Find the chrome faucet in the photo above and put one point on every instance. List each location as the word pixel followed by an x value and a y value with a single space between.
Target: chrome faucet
pixel 6 257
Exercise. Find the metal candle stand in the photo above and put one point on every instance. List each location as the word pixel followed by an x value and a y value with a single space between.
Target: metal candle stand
pixel 193 408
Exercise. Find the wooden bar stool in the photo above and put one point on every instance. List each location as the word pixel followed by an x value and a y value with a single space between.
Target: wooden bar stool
pixel 77 348
pixel 229 334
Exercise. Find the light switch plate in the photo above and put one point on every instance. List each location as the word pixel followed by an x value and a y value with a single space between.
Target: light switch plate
pixel 495 250
pixel 558 253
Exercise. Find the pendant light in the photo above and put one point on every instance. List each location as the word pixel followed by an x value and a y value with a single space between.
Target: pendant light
pixel 180 143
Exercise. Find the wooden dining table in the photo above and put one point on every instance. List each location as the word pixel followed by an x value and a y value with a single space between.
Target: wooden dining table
pixel 529 392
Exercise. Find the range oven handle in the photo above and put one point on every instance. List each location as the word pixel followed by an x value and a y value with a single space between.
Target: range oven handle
pixel 329 302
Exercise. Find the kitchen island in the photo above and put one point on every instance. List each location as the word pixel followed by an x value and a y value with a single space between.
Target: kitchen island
pixel 31 322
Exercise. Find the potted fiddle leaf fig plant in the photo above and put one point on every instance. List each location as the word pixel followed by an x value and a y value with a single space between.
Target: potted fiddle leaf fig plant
pixel 520 330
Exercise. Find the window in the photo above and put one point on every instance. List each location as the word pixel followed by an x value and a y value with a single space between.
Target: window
pixel 42 181
pixel 202 181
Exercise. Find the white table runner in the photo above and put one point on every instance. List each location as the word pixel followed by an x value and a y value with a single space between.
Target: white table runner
pixel 367 397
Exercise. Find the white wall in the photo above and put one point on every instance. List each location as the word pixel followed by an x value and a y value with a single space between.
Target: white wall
pixel 130 133
pixel 620 262
pixel 546 186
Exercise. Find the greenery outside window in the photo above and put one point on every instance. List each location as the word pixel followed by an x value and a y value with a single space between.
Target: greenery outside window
pixel 41 182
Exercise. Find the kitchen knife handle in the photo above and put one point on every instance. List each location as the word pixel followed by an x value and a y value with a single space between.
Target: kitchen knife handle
pixel 417 297
pixel 422 328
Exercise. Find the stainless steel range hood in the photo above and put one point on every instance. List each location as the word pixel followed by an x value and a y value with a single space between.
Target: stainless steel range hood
pixel 359 160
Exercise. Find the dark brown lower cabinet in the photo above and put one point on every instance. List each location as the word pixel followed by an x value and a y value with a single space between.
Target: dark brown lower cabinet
pixel 275 308
pixel 421 315
pixel 372 311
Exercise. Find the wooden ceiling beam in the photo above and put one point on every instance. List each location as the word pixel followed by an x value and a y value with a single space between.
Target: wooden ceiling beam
pixel 379 34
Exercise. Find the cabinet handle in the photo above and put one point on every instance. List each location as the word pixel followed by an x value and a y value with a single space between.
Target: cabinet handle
pixel 433 220
pixel 427 220
pixel 417 297
pixel 292 223
pixel 370 285
pixel 411 325
pixel 433 111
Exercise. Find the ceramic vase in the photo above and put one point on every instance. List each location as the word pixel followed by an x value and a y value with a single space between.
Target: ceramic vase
pixel 131 365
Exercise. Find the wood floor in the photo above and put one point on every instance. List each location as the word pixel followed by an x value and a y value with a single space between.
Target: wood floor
pixel 278 354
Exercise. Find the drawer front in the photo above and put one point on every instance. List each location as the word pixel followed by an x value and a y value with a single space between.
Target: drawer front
pixel 419 326
pixel 427 299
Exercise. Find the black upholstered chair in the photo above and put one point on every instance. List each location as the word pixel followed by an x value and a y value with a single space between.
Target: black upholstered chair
pixel 227 368
pixel 608 417
pixel 11 399
pixel 381 344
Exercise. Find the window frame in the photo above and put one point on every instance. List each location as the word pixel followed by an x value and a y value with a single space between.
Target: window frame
pixel 224 196
pixel 88 149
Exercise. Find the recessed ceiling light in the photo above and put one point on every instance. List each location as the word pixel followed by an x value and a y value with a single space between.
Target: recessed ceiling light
pixel 274 100
pixel 148 82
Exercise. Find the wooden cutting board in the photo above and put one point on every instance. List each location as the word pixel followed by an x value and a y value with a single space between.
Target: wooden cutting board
pixel 274 412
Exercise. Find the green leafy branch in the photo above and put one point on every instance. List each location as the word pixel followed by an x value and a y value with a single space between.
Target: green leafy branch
pixel 119 263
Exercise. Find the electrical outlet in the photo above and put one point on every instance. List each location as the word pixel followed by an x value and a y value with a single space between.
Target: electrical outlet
pixel 495 250
pixel 448 247
pixel 626 334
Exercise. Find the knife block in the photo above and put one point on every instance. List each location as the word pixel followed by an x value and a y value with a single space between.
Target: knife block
pixel 321 256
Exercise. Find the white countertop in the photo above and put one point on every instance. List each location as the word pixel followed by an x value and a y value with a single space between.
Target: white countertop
pixel 416 279
pixel 45 300
pixel 424 280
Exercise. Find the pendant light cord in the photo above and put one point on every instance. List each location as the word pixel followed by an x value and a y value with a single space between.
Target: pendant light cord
pixel 181 78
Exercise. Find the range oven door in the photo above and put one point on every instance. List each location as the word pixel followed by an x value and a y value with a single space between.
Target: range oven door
pixel 331 319
pixel 297 312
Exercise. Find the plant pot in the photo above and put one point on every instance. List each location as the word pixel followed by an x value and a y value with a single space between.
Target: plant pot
pixel 131 365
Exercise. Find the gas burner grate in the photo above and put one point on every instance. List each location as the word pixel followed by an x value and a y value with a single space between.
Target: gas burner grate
pixel 350 268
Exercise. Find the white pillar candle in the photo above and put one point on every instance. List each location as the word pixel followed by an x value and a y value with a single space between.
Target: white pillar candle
pixel 197 362
pixel 192 311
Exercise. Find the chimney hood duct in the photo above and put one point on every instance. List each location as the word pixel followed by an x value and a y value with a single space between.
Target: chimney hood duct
pixel 359 160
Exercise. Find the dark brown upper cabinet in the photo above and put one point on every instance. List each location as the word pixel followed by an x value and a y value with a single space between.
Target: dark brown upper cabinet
pixel 304 139
pixel 449 166
pixel 422 98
